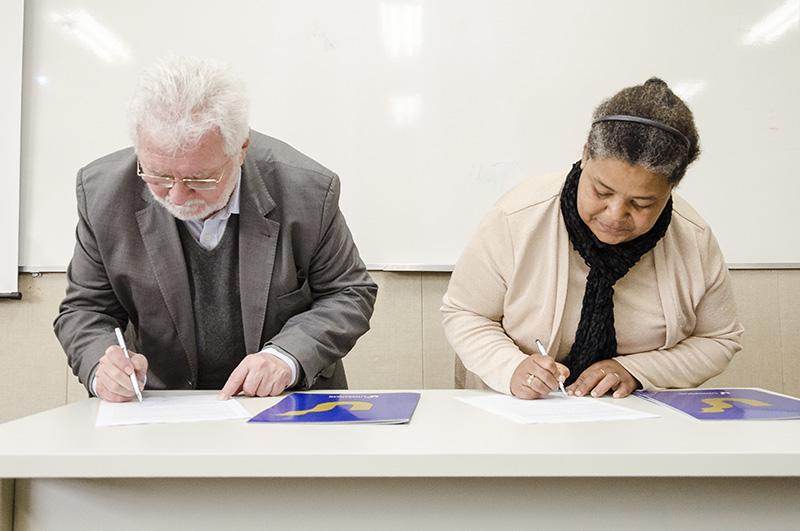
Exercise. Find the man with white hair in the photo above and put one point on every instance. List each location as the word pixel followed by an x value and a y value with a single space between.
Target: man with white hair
pixel 222 252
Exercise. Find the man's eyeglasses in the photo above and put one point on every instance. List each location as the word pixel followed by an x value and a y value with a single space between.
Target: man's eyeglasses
pixel 192 182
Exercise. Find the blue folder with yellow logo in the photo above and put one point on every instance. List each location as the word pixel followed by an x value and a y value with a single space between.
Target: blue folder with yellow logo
pixel 728 404
pixel 342 408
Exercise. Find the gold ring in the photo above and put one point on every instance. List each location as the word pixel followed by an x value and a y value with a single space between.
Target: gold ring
pixel 529 380
pixel 604 372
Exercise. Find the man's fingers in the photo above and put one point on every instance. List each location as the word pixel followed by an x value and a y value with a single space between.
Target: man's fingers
pixel 234 384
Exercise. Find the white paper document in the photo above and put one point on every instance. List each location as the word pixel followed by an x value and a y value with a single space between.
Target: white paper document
pixel 555 408
pixel 169 409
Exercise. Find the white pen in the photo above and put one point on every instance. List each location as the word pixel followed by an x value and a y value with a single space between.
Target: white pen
pixel 121 341
pixel 544 353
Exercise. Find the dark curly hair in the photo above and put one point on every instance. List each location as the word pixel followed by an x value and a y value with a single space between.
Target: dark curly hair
pixel 652 148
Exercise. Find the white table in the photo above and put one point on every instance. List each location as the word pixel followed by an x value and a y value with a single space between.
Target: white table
pixel 453 467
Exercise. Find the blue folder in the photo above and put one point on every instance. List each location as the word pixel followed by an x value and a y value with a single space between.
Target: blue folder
pixel 342 408
pixel 728 404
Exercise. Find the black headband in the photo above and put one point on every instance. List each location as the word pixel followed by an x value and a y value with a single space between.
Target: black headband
pixel 645 121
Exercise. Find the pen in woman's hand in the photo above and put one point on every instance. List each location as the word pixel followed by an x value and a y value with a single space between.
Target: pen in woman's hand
pixel 543 351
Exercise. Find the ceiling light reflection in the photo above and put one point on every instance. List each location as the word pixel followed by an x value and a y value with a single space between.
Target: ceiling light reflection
pixel 687 90
pixel 406 109
pixel 402 29
pixel 774 25
pixel 96 37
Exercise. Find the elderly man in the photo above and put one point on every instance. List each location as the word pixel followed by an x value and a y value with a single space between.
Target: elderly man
pixel 223 249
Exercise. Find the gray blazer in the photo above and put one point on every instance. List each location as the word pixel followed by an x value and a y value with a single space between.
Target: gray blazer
pixel 304 287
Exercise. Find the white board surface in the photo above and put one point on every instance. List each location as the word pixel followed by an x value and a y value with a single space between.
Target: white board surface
pixel 430 110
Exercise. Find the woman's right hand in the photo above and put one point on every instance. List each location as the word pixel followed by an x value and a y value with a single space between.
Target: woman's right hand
pixel 536 376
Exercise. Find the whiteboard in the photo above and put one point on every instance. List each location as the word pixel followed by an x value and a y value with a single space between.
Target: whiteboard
pixel 10 109
pixel 430 110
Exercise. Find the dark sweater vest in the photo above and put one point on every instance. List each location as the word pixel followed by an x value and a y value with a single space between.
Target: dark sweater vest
pixel 214 282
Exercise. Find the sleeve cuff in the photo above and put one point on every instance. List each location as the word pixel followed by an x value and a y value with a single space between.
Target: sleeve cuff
pixel 94 383
pixel 290 361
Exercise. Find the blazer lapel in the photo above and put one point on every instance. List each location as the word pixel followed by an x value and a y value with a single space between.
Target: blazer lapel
pixel 163 245
pixel 258 243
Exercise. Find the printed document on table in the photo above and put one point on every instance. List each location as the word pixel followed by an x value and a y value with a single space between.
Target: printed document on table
pixel 554 408
pixel 169 409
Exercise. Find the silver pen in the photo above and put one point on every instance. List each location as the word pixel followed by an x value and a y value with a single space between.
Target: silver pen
pixel 121 341
pixel 543 351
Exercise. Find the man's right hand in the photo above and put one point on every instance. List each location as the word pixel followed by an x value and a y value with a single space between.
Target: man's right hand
pixel 112 378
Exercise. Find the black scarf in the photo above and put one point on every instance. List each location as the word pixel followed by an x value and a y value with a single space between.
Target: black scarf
pixel 596 338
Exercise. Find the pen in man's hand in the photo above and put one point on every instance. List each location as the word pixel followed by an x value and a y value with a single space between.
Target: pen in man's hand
pixel 544 353
pixel 121 341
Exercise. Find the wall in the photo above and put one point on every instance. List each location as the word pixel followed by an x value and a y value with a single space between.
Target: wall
pixel 421 107
pixel 405 349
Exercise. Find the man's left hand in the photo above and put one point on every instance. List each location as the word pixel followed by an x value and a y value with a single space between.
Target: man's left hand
pixel 259 374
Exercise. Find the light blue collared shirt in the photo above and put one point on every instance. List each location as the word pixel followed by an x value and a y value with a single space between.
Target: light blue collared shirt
pixel 209 232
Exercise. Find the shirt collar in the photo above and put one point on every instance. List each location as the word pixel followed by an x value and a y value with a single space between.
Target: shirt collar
pixel 233 203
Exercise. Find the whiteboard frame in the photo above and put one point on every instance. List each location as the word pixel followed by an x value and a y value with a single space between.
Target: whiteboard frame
pixel 11 29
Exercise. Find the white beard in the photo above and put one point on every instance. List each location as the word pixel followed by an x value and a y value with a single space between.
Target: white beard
pixel 197 209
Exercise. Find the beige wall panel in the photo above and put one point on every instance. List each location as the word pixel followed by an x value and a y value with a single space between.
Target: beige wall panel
pixel 438 357
pixel 389 356
pixel 789 290
pixel 405 349
pixel 33 375
pixel 758 364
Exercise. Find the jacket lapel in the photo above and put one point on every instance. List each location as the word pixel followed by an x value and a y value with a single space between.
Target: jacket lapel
pixel 163 246
pixel 258 243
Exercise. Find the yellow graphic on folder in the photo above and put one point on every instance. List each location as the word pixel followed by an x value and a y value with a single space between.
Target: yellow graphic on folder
pixel 719 405
pixel 328 406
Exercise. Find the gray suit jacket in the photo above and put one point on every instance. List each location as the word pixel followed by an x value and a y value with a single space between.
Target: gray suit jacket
pixel 304 287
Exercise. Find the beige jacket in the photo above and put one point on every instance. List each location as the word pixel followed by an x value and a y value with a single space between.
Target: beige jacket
pixel 675 317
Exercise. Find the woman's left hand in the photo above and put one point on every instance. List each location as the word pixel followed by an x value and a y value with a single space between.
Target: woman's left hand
pixel 604 376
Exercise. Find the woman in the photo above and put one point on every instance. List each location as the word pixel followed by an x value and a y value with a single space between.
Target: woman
pixel 620 278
